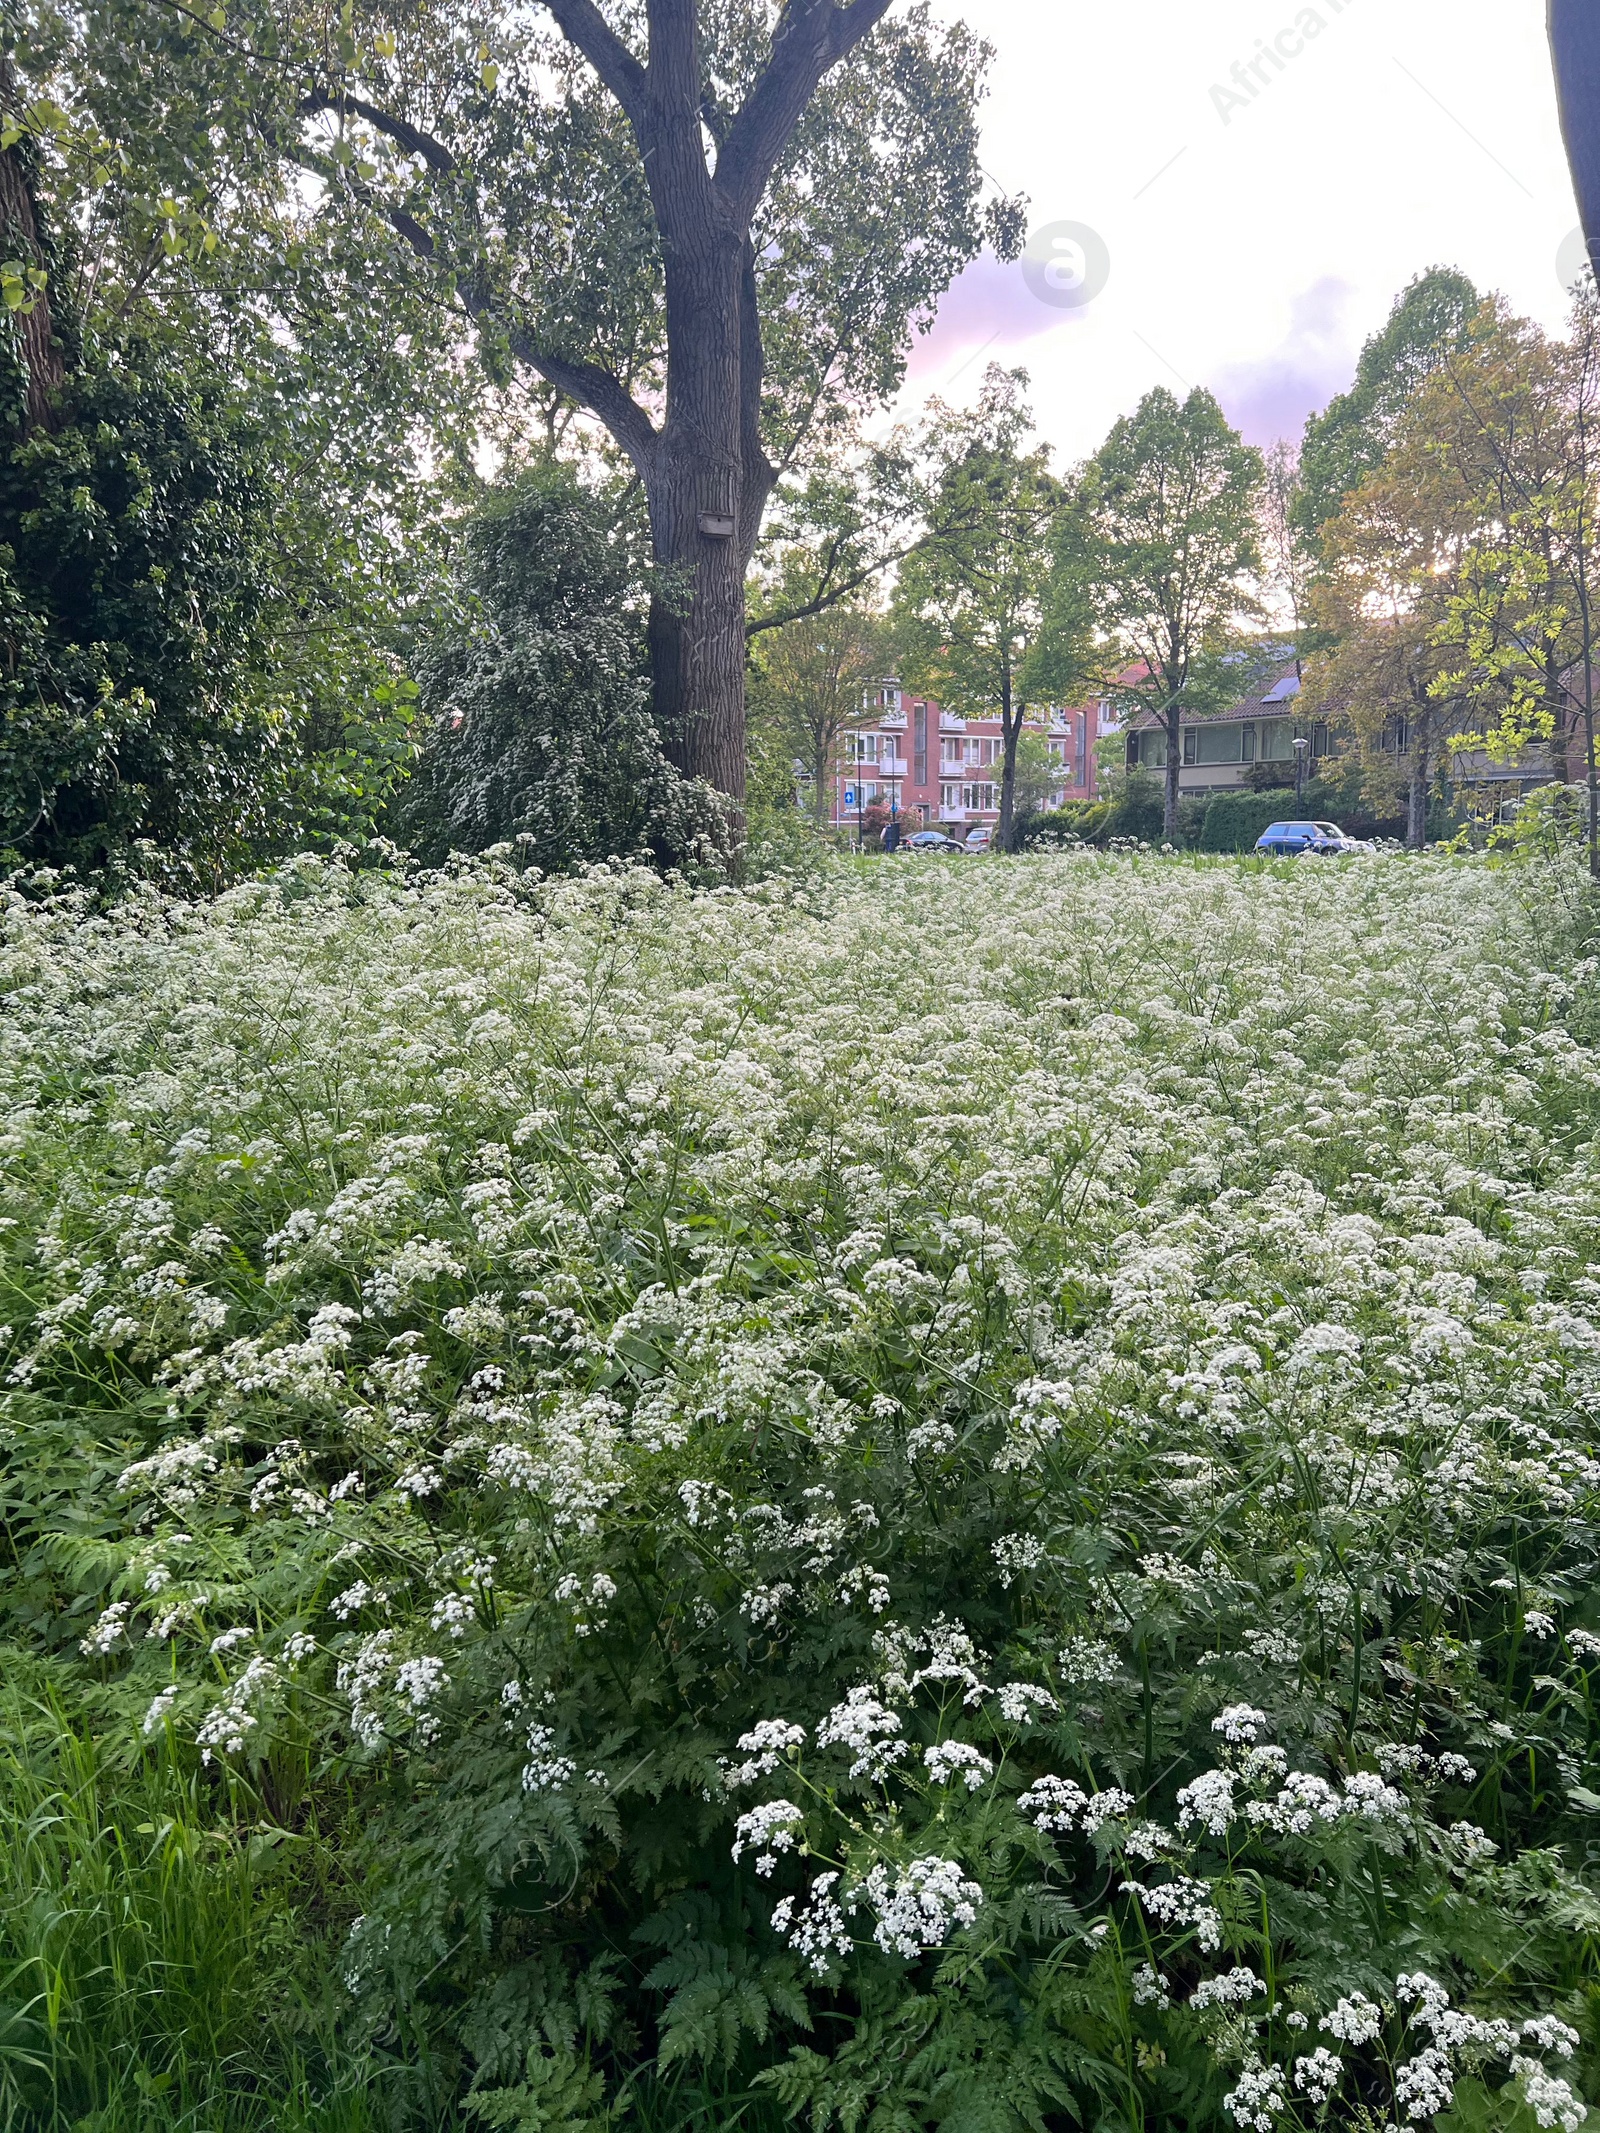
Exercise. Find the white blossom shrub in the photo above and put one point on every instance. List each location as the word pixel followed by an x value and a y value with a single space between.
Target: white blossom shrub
pixel 965 1495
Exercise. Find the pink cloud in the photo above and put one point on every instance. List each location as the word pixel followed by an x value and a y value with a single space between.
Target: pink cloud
pixel 1271 396
pixel 987 307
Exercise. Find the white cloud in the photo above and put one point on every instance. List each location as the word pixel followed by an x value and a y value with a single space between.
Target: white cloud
pixel 1254 255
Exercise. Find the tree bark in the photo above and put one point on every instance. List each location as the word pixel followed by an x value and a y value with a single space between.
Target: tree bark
pixel 1417 798
pixel 1169 812
pixel 707 478
pixel 1010 734
pixel 43 366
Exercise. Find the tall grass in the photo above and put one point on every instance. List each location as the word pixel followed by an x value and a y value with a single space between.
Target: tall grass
pixel 154 1969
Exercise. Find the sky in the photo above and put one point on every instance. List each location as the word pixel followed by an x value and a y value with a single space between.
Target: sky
pixel 1246 231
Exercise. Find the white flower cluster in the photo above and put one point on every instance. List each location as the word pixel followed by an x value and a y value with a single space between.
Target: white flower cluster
pixel 918 1906
pixel 1236 1989
pixel 866 1729
pixel 1016 1553
pixel 768 1830
pixel 1180 1903
pixel 226 1726
pixel 1021 1703
pixel 1259 2098
pixel 816 1929
pixel 952 1761
pixel 545 1770
pixel 766 1745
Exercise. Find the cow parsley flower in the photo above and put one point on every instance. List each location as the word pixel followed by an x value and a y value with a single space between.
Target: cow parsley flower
pixel 815 1927
pixel 950 1760
pixel 1316 2075
pixel 1258 2099
pixel 866 1729
pixel 1053 1803
pixel 1241 1725
pixel 918 1906
pixel 766 1831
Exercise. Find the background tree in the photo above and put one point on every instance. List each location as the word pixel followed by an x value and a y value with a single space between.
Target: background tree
pixel 1392 559
pixel 1513 420
pixel 1432 316
pixel 970 607
pixel 1163 542
pixel 1288 555
pixel 709 228
pixel 807 685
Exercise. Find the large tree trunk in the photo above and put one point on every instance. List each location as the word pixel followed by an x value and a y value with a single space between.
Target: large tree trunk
pixel 1010 734
pixel 1417 796
pixel 1169 813
pixel 709 482
pixel 44 371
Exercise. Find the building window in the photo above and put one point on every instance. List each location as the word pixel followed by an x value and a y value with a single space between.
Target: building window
pixel 1213 744
pixel 949 798
pixel 978 797
pixel 919 744
pixel 1276 740
pixel 950 755
pixel 1152 751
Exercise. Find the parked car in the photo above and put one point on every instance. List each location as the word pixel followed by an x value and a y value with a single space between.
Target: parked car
pixel 979 840
pixel 933 841
pixel 1289 840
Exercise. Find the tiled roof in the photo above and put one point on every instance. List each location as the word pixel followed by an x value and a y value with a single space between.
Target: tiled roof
pixel 1272 700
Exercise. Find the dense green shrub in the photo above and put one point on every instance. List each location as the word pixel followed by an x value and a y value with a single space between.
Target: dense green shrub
pixel 1129 812
pixel 538 702
pixel 131 544
pixel 1234 820
pixel 178 695
pixel 949 1496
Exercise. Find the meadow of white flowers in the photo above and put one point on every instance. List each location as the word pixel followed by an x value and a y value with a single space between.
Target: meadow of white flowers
pixel 966 1495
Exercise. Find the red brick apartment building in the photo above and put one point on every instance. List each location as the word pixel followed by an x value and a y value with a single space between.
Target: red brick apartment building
pixel 939 771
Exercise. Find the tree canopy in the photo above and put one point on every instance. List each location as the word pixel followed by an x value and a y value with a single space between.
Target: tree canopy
pixel 1163 539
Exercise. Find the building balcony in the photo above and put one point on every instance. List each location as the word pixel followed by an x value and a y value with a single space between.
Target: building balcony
pixel 892 721
pixel 949 723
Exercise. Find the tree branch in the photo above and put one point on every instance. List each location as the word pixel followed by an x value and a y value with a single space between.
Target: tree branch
pixel 411 138
pixel 584 27
pixel 596 389
pixel 812 38
pixel 589 384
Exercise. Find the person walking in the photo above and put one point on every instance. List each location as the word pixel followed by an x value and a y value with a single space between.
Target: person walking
pixel 891 834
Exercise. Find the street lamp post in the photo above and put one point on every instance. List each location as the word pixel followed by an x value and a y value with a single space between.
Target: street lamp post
pixel 1300 747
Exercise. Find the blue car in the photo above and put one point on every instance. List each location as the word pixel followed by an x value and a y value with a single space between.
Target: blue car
pixel 1287 840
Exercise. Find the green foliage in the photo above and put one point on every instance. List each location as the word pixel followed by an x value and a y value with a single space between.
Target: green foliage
pixel 159 1964
pixel 134 539
pixel 1128 812
pixel 162 708
pixel 970 606
pixel 537 701
pixel 1160 547
pixel 1431 319
pixel 1234 820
